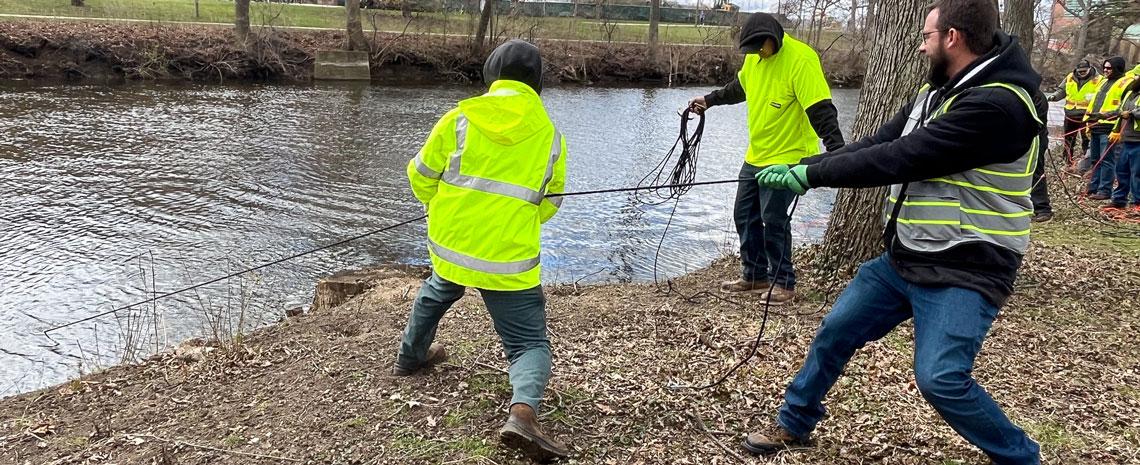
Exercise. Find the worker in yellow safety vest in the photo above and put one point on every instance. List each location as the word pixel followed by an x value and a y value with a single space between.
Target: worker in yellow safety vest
pixel 1078 89
pixel 1102 114
pixel 789 112
pixel 484 175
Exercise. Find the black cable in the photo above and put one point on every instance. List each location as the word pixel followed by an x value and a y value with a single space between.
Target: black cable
pixel 342 242
pixel 674 184
pixel 232 275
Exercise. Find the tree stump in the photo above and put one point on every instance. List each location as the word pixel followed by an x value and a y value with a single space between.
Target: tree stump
pixel 340 287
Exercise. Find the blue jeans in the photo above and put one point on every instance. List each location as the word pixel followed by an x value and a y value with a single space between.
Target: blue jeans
pixel 1128 175
pixel 519 318
pixel 1104 162
pixel 765 231
pixel 950 324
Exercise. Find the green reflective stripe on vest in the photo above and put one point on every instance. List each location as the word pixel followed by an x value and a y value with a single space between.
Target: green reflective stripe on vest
pixel 485 266
pixel 958 205
pixel 452 175
pixel 984 188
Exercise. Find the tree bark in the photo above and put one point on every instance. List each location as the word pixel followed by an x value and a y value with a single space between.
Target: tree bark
pixel 1082 33
pixel 654 24
pixel 241 22
pixel 484 22
pixel 76 2
pixel 1019 22
pixel 356 40
pixel 854 233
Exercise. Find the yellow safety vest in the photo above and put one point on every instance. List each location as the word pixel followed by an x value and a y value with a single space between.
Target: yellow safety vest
pixel 987 204
pixel 1112 98
pixel 1078 97
pixel 484 174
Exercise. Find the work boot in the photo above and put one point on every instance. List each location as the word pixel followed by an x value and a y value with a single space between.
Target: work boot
pixel 436 355
pixel 778 296
pixel 1098 196
pixel 1043 217
pixel 745 285
pixel 523 434
pixel 768 444
pixel 1112 207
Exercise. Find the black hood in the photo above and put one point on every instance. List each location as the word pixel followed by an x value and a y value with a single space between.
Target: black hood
pixel 1118 67
pixel 1006 63
pixel 516 60
pixel 756 28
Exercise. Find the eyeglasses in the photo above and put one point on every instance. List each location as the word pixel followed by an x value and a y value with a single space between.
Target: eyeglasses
pixel 1107 67
pixel 926 34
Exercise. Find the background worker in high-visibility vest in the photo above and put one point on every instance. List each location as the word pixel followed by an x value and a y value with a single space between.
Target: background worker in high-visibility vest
pixel 1100 119
pixel 1078 89
pixel 1127 134
pixel 960 160
pixel 483 175
pixel 789 110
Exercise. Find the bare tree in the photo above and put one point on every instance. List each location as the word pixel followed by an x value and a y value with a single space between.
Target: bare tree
pixel 1084 12
pixel 854 231
pixel 1019 22
pixel 241 22
pixel 484 23
pixel 654 23
pixel 356 40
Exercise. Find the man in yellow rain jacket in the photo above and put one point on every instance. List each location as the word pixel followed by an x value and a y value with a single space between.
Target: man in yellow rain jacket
pixel 483 175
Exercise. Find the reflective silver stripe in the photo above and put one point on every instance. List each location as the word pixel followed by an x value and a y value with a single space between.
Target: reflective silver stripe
pixel 477 264
pixel 555 151
pixel 557 201
pixel 491 186
pixel 424 169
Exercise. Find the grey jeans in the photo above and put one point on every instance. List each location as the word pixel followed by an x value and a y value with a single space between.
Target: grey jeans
pixel 519 318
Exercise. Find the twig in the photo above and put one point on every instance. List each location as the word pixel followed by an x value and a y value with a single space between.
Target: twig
pixel 224 451
pixel 701 424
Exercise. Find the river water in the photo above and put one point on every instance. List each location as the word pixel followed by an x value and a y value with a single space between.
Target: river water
pixel 110 194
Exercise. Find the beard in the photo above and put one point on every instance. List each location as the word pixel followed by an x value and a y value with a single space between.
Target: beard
pixel 939 67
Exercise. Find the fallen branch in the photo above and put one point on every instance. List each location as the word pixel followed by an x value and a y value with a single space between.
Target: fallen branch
pixel 701 425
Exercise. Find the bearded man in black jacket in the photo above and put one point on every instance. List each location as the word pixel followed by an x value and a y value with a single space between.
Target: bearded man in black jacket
pixel 960 160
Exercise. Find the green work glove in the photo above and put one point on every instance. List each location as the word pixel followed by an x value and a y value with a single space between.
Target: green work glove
pixel 795 180
pixel 770 177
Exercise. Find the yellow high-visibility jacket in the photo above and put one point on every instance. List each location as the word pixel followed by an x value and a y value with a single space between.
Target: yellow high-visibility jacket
pixel 483 175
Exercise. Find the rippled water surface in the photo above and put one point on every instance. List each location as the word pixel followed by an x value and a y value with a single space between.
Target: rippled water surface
pixel 110 194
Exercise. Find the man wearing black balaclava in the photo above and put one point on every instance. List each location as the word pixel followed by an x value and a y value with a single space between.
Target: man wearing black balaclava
pixel 1078 89
pixel 789 111
pixel 1100 118
pixel 483 175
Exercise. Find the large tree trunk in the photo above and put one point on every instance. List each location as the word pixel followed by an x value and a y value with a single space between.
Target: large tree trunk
pixel 1019 22
pixel 654 23
pixel 855 230
pixel 356 40
pixel 241 22
pixel 484 23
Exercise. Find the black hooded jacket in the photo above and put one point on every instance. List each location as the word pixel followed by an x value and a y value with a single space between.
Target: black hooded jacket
pixel 983 126
pixel 515 60
pixel 823 116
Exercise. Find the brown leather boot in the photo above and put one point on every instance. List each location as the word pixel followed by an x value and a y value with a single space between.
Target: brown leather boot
pixel 523 433
pixel 436 355
pixel 744 285
pixel 779 296
pixel 768 444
